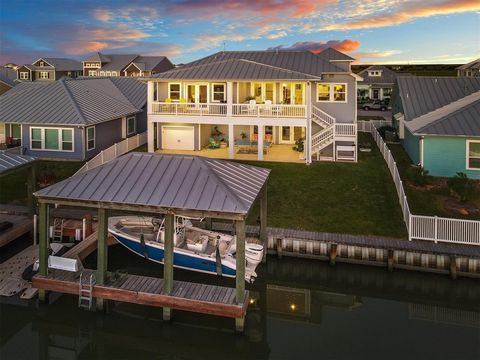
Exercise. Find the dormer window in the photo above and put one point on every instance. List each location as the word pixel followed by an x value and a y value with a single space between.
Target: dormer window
pixel 374 72
pixel 41 64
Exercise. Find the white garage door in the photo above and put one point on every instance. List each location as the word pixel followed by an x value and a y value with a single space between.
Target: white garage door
pixel 178 138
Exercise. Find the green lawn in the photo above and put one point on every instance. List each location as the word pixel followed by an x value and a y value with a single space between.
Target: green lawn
pixel 426 201
pixel 13 186
pixel 334 197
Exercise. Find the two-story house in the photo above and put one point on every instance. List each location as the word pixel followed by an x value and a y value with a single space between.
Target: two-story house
pixel 265 105
pixel 49 69
pixel 471 69
pixel 377 83
pixel 72 119
pixel 125 65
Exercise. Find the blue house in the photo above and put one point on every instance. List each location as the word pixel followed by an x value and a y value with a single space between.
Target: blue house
pixel 72 119
pixel 438 122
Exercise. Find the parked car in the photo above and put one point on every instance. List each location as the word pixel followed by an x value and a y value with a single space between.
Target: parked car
pixel 381 105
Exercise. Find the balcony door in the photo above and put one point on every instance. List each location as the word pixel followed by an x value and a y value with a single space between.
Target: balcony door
pixel 293 93
pixel 290 134
pixel 197 93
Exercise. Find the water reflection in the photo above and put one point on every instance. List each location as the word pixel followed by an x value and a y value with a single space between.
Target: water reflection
pixel 298 310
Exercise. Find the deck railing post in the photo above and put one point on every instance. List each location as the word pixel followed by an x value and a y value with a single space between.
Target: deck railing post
pixel 102 252
pixel 43 246
pixel 168 261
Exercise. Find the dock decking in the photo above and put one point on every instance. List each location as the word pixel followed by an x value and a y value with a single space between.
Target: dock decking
pixel 194 297
pixel 11 281
pixel 22 224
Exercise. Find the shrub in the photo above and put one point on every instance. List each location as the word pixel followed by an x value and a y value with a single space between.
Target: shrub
pixel 382 130
pixel 418 175
pixel 461 186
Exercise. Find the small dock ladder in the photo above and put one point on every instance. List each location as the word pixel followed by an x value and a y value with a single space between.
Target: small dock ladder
pixel 85 298
pixel 57 230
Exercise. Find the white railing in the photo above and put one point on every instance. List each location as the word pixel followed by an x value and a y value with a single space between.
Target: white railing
pixel 324 136
pixel 114 151
pixel 269 110
pixel 322 115
pixel 194 109
pixel 345 129
pixel 420 227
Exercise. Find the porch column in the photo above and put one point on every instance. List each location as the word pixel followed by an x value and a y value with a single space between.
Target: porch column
pixel 240 270
pixel 102 252
pixel 229 98
pixel 43 245
pixel 168 261
pixel 31 184
pixel 261 135
pixel 263 222
pixel 231 141
pixel 150 136
pixel 308 128
pixel 150 91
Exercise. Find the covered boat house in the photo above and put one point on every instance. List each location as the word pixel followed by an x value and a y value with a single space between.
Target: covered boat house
pixel 169 186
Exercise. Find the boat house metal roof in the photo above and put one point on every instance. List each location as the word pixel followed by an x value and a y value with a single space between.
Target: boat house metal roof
pixel 10 161
pixel 184 185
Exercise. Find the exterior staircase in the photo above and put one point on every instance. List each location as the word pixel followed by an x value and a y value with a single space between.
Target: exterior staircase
pixel 326 136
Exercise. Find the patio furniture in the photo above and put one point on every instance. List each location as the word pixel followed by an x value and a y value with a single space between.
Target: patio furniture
pixel 251 146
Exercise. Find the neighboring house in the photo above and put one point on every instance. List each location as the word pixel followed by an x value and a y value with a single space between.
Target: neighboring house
pixel 472 69
pixel 7 79
pixel 148 66
pixel 438 123
pixel 72 118
pixel 49 69
pixel 254 100
pixel 377 83
pixel 125 65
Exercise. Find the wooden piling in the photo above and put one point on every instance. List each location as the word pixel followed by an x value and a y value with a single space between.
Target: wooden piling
pixel 168 261
pixel 263 223
pixel 279 246
pixel 43 245
pixel 240 270
pixel 390 259
pixel 453 267
pixel 102 252
pixel 333 254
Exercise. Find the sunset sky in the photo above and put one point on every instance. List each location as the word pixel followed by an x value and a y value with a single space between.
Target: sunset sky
pixel 372 31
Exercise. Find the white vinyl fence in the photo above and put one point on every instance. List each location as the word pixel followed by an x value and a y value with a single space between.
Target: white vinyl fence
pixel 431 228
pixel 114 151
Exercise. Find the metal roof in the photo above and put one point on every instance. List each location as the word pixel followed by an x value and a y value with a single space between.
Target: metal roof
pixel 304 62
pixel 98 57
pixel 422 94
pixel 72 101
pixel 387 76
pixel 10 161
pixel 459 118
pixel 233 69
pixel 118 61
pixel 63 64
pixel 8 76
pixel 335 55
pixel 148 63
pixel 167 181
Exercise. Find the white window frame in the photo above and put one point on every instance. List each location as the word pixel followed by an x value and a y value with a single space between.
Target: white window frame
pixel 92 73
pixel 41 64
pixel 467 165
pixel 108 73
pixel 135 122
pixel 102 73
pixel 60 139
pixel 217 92
pixel 94 138
pixel 43 75
pixel 179 91
pixel 24 75
pixel 114 73
pixel 332 93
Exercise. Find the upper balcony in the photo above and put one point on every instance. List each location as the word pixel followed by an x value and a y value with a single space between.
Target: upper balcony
pixel 250 109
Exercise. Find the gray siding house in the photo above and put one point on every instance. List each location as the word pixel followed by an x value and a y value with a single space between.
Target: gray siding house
pixel 471 69
pixel 72 119
pixel 377 83
pixel 49 69
pixel 257 105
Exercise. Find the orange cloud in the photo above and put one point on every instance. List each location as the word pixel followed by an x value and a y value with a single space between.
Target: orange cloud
pixel 418 11
pixel 82 47
pixel 102 15
pixel 316 47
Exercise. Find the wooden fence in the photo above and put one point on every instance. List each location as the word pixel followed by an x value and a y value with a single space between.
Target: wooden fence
pixel 114 151
pixel 420 227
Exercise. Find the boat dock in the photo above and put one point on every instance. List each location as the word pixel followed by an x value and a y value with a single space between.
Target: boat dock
pixel 21 225
pixel 11 281
pixel 186 296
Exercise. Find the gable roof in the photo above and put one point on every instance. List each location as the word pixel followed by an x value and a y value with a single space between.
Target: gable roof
pixel 301 61
pixel 460 117
pixel 387 76
pixel 332 54
pixel 422 94
pixel 98 57
pixel 8 76
pixel 174 182
pixel 475 64
pixel 63 64
pixel 232 69
pixel 148 63
pixel 72 101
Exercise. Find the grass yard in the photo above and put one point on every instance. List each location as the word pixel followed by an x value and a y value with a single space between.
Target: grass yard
pixel 429 201
pixel 13 187
pixel 334 197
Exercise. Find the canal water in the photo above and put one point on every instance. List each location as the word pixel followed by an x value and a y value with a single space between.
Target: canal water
pixel 300 309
